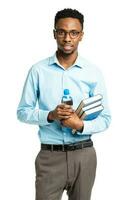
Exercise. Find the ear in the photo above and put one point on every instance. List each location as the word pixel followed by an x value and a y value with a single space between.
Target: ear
pixel 81 36
pixel 54 34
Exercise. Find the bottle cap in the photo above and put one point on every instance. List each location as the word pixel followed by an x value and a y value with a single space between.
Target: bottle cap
pixel 66 92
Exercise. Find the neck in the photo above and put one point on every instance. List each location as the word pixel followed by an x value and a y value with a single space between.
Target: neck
pixel 66 60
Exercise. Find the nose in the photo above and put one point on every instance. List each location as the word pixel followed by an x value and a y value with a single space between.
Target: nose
pixel 67 37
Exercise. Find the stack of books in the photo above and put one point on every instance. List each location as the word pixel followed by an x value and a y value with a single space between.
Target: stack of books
pixel 89 108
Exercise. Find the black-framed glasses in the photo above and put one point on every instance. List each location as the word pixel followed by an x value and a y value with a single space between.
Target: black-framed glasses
pixel 62 33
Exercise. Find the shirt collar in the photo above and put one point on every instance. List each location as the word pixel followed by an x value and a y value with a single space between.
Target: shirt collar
pixel 79 61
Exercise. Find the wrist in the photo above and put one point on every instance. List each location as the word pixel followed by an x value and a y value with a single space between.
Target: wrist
pixel 80 127
pixel 50 117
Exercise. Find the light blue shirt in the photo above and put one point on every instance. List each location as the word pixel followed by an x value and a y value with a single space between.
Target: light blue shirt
pixel 43 90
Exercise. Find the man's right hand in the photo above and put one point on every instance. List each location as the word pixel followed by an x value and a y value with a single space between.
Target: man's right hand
pixel 62 111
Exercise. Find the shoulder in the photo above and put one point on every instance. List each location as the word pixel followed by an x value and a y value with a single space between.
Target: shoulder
pixel 40 64
pixel 37 67
pixel 89 66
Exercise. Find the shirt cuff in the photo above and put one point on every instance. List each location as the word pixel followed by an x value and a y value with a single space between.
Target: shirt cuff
pixel 43 115
pixel 86 129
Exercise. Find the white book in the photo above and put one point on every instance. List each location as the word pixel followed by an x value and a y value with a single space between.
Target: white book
pixel 98 103
pixel 88 101
pixel 92 113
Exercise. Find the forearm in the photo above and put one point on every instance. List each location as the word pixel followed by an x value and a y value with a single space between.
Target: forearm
pixel 100 124
pixel 33 116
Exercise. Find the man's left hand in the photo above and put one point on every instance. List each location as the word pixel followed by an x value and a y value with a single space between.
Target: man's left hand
pixel 73 122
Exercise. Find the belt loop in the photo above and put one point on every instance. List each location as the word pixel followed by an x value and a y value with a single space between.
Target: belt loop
pixel 82 145
pixel 51 147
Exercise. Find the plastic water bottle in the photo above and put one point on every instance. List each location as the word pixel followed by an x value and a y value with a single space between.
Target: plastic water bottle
pixel 67 99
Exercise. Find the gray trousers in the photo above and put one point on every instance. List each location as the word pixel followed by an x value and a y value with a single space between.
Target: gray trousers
pixel 73 171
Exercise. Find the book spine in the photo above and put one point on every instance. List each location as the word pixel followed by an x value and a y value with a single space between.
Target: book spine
pixel 79 108
pixel 93 105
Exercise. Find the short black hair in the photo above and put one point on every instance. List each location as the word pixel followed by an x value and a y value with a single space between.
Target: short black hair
pixel 68 12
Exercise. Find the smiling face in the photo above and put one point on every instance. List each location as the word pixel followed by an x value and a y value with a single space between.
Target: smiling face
pixel 68 34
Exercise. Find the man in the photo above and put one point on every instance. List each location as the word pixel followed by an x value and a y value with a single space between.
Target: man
pixel 66 161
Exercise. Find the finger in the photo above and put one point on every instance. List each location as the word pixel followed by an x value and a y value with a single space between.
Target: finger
pixel 66 110
pixel 64 106
pixel 69 110
pixel 63 113
pixel 63 117
pixel 67 106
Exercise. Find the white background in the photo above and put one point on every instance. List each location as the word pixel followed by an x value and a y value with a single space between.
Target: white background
pixel 26 37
